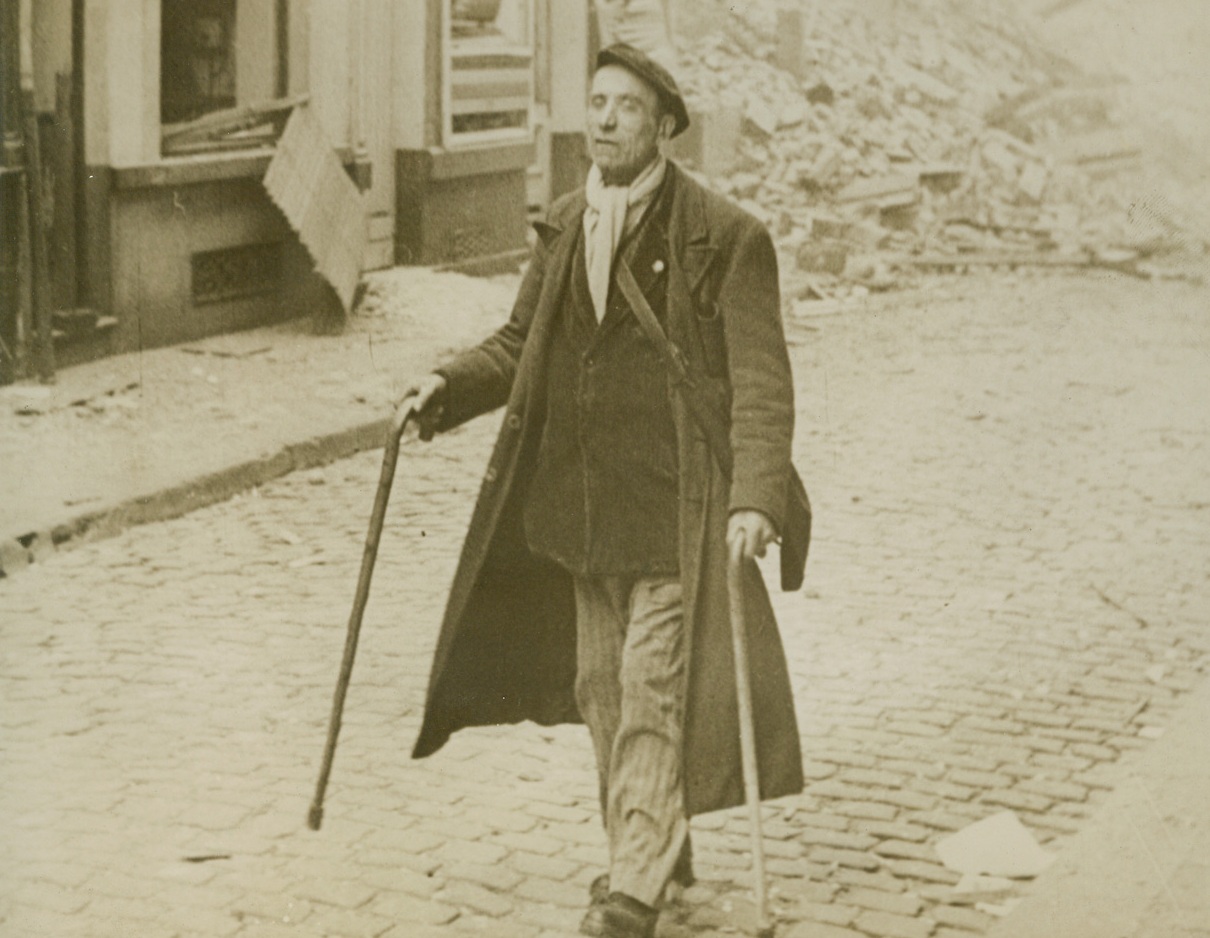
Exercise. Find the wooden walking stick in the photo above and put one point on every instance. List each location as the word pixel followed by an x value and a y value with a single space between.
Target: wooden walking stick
pixel 390 457
pixel 747 738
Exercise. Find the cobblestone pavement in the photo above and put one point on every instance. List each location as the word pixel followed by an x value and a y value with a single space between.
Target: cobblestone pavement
pixel 1006 595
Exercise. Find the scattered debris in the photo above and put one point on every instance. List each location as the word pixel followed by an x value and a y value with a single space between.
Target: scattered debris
pixel 222 353
pixel 998 845
pixel 943 138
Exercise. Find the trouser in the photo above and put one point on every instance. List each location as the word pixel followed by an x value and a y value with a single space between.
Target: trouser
pixel 630 687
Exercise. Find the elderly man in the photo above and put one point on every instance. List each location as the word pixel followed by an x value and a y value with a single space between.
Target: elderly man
pixel 592 581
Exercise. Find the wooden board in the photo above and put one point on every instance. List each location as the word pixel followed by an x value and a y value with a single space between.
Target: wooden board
pixel 307 182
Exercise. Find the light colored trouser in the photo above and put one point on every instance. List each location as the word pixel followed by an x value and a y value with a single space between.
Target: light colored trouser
pixel 630 687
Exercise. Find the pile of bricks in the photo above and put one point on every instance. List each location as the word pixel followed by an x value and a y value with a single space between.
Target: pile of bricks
pixel 886 137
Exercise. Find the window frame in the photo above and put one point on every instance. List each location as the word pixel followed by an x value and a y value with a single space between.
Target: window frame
pixel 452 139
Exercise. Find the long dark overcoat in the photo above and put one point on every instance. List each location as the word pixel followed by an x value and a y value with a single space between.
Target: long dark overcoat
pixel 506 650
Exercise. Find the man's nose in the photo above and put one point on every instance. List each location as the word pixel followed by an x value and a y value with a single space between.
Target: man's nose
pixel 607 117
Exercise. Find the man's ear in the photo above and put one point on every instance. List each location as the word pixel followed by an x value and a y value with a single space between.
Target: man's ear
pixel 667 126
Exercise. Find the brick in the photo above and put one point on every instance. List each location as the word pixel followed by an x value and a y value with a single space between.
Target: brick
pixel 914 768
pixel 537 919
pixel 834 788
pixel 843 757
pixel 797 870
pixel 866 810
pixel 936 716
pixel 552 891
pixel 872 777
pixel 530 842
pixel 893 830
pixel 850 858
pixel 536 864
pixel 894 926
pixel 494 820
pixel 876 900
pixel 463 895
pixel 942 789
pixel 1039 743
pixel 903 850
pixel 342 893
pixel 814 836
pixel 345 923
pixel 911 800
pixel 817 771
pixel 402 908
pixel 972 779
pixel 829 913
pixel 987 725
pixel 726 861
pixel 1055 790
pixel 1064 762
pixel 881 881
pixel 823 819
pixel 410 840
pixel 1017 800
pixel 810 885
pixel 498 877
pixel 919 869
pixel 554 812
pixel 926 730
pixel 470 851
pixel 270 907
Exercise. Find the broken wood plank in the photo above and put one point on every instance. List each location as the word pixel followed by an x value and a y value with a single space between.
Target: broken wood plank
pixel 307 181
pixel 229 121
pixel 1122 262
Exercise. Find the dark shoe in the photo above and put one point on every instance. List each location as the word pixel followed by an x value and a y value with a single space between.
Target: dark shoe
pixel 626 917
pixel 593 923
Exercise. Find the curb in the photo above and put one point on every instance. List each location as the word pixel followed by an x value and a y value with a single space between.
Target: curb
pixel 20 551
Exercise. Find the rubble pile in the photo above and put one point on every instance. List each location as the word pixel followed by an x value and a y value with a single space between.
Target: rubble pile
pixel 886 136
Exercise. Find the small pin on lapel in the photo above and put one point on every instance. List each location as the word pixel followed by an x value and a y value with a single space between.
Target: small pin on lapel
pixel 658 267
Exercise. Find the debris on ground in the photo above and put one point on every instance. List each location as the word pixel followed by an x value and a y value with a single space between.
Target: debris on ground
pixel 881 140
pixel 998 845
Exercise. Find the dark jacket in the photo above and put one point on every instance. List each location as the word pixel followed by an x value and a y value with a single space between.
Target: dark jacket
pixel 506 651
pixel 602 499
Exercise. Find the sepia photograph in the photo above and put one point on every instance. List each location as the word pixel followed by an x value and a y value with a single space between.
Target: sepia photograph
pixel 611 468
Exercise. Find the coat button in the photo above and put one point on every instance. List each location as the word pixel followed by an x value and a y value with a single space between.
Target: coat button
pixel 514 421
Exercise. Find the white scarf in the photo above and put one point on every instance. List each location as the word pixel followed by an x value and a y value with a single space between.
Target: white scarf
pixel 612 213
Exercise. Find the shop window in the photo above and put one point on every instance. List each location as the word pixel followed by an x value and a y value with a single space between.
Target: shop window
pixel 220 57
pixel 489 83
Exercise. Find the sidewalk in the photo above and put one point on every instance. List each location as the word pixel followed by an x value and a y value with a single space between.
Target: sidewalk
pixel 1140 868
pixel 146 436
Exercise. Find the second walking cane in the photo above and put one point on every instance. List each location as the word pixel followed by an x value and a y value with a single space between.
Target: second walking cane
pixel 747 739
pixel 390 457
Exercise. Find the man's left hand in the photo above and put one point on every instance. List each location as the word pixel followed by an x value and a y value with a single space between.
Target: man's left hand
pixel 749 533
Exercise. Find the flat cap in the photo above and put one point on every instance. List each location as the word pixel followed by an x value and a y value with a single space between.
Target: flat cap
pixel 652 72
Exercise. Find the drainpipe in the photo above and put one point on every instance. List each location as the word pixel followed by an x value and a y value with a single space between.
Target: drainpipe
pixel 12 165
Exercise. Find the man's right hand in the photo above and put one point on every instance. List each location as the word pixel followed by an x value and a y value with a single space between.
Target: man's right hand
pixel 427 398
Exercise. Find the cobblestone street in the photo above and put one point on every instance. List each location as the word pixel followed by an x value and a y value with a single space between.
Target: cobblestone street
pixel 1006 596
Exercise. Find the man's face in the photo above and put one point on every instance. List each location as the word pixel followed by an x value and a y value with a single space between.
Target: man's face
pixel 625 125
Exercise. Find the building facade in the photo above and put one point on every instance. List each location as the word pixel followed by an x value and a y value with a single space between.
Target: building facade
pixel 158 118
